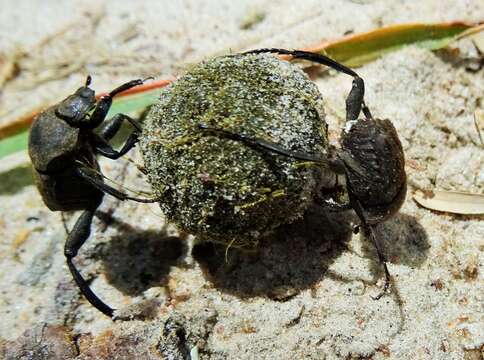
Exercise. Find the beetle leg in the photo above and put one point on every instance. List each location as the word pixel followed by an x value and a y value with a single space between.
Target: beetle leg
pixel 368 230
pixel 112 126
pixel 88 174
pixel 260 144
pixel 128 85
pixel 76 238
pixel 105 149
pixel 64 222
pixel 355 100
pixel 103 105
pixel 334 163
pixel 310 56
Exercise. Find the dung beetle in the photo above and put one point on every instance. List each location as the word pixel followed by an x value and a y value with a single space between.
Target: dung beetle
pixel 207 185
pixel 371 157
pixel 63 148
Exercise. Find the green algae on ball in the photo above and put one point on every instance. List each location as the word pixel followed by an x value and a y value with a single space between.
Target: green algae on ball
pixel 220 189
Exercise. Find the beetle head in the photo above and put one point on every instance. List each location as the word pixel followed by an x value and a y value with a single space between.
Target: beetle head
pixel 374 166
pixel 75 107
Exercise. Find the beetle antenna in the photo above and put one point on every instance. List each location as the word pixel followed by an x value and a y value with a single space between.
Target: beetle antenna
pixel 88 80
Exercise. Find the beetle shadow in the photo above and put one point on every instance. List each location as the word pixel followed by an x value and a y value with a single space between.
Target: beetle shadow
pixel 298 256
pixel 294 258
pixel 403 241
pixel 135 260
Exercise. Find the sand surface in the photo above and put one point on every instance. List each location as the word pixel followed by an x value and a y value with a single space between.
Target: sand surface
pixel 307 294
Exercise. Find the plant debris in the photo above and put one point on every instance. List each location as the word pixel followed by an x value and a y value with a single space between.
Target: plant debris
pixel 451 201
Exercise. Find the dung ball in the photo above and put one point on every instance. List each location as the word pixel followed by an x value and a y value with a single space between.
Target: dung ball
pixel 222 190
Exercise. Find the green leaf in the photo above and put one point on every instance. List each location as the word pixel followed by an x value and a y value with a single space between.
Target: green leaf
pixel 356 50
pixel 14 143
pixel 353 50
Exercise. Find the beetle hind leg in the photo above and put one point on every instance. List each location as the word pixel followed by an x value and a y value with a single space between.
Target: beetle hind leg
pixel 308 55
pixel 76 238
pixel 354 102
pixel 259 144
pixel 104 104
pixel 370 233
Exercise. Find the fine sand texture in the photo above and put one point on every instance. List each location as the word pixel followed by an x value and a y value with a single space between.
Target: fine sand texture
pixel 306 293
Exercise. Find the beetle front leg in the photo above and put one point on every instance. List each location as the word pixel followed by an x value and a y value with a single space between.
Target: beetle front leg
pixel 112 126
pixel 105 149
pixel 76 238
pixel 104 104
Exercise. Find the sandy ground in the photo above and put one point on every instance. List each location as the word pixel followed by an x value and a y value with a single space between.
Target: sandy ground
pixel 307 294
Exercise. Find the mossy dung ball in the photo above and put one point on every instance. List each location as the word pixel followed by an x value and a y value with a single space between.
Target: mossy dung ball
pixel 220 189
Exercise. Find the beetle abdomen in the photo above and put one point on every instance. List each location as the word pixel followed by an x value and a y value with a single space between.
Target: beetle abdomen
pixel 374 158
pixel 66 191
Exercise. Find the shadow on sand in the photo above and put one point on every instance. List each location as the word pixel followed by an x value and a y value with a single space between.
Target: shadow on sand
pixel 298 255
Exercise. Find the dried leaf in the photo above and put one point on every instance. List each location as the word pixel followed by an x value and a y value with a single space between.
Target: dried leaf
pixel 353 50
pixel 358 49
pixel 451 201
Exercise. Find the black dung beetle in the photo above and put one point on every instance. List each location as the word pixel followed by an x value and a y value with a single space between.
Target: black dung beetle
pixel 221 192
pixel 63 149
pixel 371 157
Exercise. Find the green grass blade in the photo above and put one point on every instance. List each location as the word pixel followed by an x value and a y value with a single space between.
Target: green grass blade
pixel 356 50
pixel 353 50
pixel 14 143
